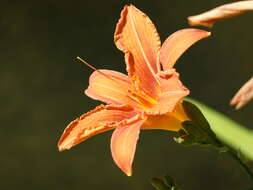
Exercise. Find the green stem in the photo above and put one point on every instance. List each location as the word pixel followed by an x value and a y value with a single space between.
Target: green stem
pixel 228 131
pixel 231 133
pixel 243 165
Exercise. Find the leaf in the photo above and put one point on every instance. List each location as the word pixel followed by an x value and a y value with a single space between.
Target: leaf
pixel 164 183
pixel 196 131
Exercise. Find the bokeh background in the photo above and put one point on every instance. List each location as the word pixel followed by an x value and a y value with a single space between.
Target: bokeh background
pixel 41 87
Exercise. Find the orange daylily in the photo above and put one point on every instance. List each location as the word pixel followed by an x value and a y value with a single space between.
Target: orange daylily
pixel 147 98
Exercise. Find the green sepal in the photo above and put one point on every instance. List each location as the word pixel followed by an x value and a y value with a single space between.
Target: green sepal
pixel 164 183
pixel 196 131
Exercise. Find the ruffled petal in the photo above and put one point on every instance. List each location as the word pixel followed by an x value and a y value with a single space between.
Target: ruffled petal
pixel 123 144
pixel 177 43
pixel 110 87
pixel 173 91
pixel 171 121
pixel 136 36
pixel 102 118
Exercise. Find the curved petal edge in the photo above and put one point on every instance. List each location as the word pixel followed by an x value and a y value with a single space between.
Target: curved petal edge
pixel 123 144
pixel 177 43
pixel 102 118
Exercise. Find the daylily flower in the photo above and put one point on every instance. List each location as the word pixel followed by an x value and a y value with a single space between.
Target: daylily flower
pixel 147 98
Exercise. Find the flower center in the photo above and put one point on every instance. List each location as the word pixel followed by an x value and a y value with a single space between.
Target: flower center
pixel 143 100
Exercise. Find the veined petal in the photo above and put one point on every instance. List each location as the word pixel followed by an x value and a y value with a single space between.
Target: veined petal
pixel 173 91
pixel 110 87
pixel 136 36
pixel 177 43
pixel 123 144
pixel 170 121
pixel 102 118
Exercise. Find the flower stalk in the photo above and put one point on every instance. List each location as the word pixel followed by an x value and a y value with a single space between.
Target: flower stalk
pixel 197 131
pixel 228 131
pixel 244 166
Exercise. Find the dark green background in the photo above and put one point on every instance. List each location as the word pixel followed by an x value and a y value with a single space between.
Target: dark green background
pixel 41 87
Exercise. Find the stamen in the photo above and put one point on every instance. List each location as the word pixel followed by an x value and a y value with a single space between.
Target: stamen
pixel 148 98
pixel 95 69
pixel 141 99
pixel 139 93
pixel 135 99
pixel 89 65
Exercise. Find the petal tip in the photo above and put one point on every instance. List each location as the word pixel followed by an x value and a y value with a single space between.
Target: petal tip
pixel 61 148
pixel 127 170
pixel 208 34
pixel 202 33
pixel 198 32
pixel 129 174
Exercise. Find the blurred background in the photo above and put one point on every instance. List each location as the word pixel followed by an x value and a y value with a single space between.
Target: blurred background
pixel 42 84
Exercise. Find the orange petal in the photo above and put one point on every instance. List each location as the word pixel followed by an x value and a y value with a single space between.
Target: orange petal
pixel 163 122
pixel 244 95
pixel 177 43
pixel 110 87
pixel 101 119
pixel 123 144
pixel 173 91
pixel 171 121
pixel 136 36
